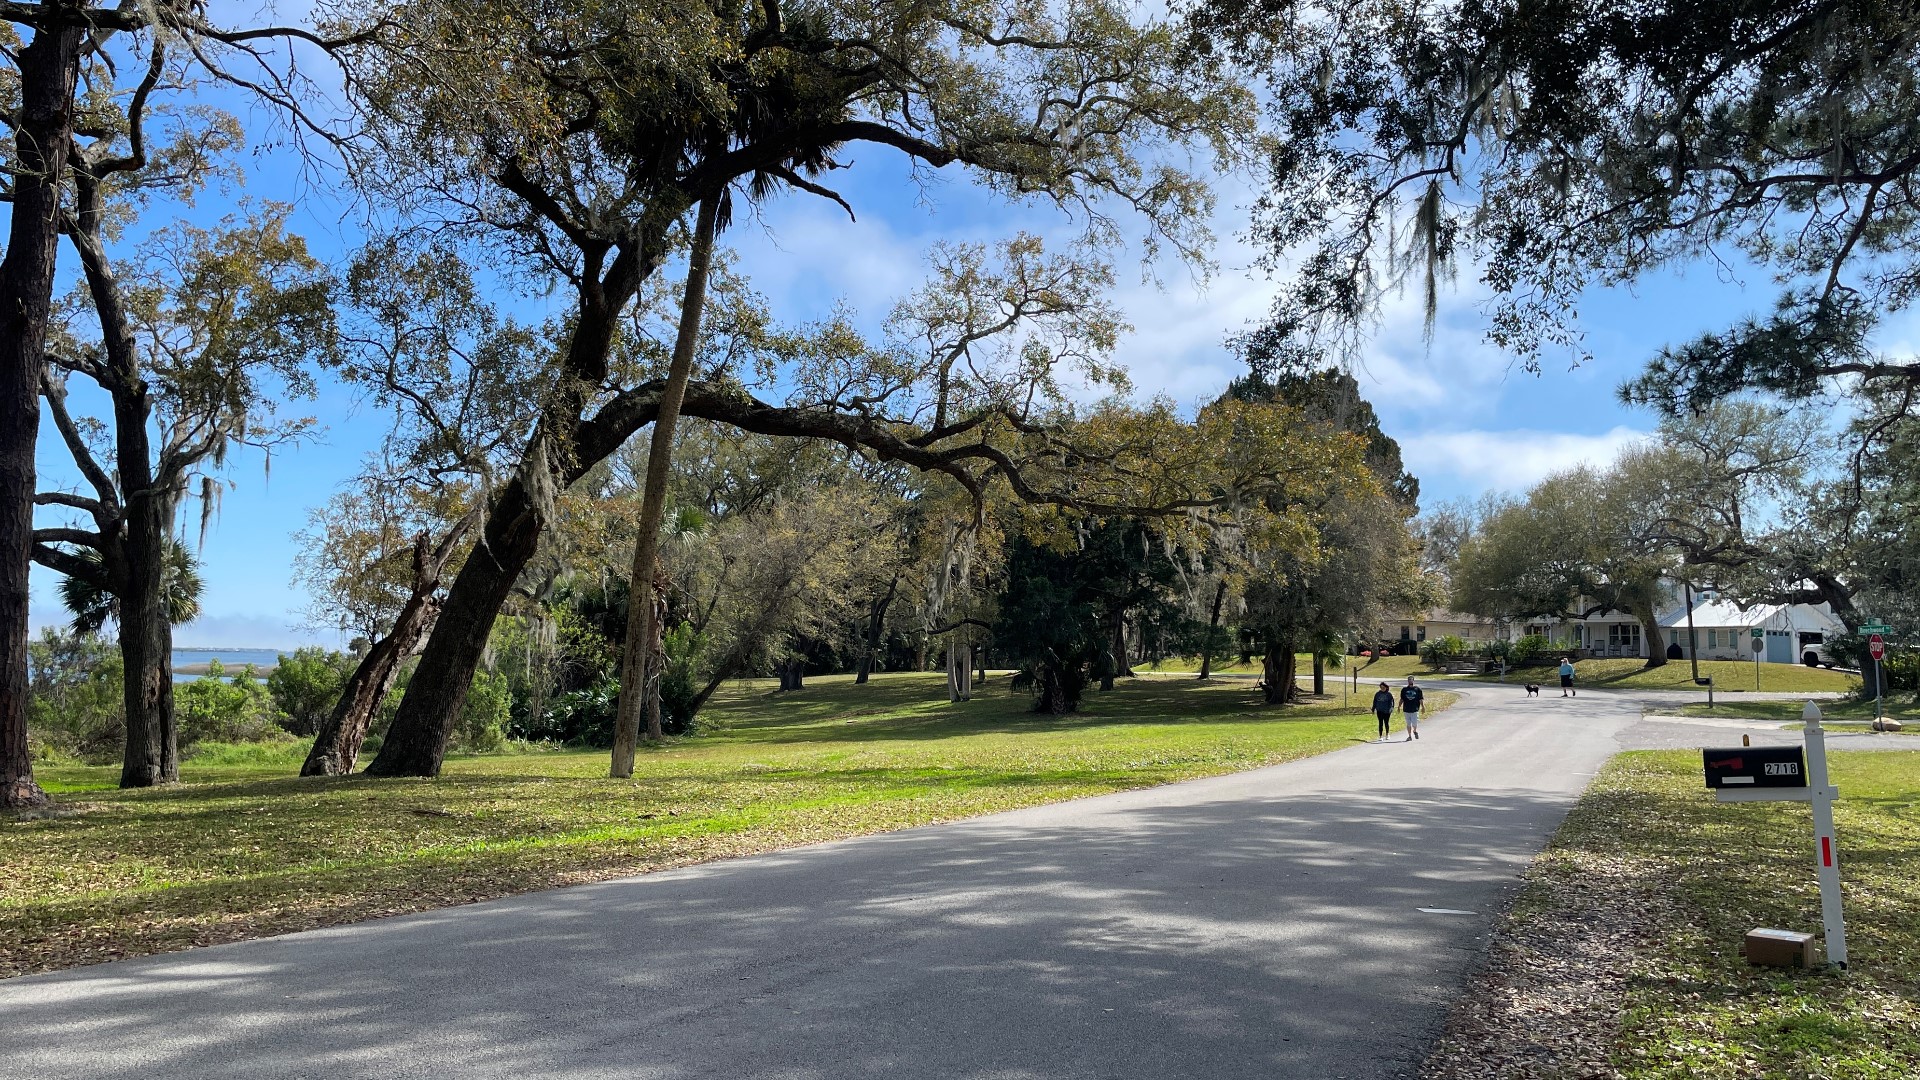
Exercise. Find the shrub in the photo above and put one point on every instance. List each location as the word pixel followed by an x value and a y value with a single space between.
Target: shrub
pixel 213 709
pixel 306 686
pixel 581 717
pixel 677 684
pixel 76 704
pixel 1532 650
pixel 1902 670
pixel 1437 651
pixel 484 715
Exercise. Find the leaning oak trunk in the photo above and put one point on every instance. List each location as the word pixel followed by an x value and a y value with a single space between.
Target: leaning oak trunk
pixel 47 70
pixel 417 742
pixel 1213 624
pixel 636 672
pixel 337 745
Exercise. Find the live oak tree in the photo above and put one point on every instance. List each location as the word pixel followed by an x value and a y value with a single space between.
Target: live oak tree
pixel 1581 542
pixel 1739 493
pixel 574 137
pixel 115 57
pixel 193 339
pixel 1362 561
pixel 1560 146
pixel 1876 506
pixel 419 341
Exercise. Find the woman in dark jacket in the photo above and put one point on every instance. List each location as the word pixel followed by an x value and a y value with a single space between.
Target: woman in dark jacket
pixel 1383 708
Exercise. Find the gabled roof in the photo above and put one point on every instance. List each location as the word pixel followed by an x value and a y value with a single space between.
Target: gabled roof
pixel 1722 613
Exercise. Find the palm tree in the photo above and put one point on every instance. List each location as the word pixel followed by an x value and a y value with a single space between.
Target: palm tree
pixel 92 604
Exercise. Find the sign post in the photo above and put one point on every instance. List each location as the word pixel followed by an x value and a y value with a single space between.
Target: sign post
pixel 1877 648
pixel 1758 643
pixel 1826 851
pixel 1792 774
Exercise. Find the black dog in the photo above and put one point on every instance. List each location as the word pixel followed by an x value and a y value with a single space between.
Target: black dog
pixel 1533 689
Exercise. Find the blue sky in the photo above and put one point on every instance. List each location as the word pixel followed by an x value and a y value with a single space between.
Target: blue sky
pixel 1468 419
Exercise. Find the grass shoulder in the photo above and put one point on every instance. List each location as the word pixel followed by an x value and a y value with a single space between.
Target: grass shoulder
pixel 1788 712
pixel 1621 955
pixel 244 848
pixel 1729 676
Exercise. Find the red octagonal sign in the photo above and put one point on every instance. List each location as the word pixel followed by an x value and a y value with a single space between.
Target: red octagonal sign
pixel 1877 647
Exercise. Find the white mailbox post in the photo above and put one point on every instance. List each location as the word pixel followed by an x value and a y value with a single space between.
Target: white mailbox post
pixel 1826 853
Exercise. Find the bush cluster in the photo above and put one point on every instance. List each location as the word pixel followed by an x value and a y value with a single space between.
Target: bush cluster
pixel 1437 651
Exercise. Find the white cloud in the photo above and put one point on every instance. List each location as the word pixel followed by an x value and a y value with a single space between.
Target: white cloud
pixel 1510 460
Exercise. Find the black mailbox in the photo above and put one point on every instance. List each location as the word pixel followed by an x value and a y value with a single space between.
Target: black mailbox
pixel 1756 766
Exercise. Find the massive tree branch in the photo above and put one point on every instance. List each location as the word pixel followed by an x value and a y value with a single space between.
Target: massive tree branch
pixel 81 537
pixel 56 397
pixel 66 562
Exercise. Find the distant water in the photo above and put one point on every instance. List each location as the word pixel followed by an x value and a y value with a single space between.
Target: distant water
pixel 232 660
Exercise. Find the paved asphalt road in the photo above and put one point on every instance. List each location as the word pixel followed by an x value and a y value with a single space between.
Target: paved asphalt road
pixel 1266 924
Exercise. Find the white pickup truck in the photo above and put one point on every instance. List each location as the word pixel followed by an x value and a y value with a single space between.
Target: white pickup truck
pixel 1813 649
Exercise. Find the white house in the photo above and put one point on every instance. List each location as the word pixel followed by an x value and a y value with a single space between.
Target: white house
pixel 1724 631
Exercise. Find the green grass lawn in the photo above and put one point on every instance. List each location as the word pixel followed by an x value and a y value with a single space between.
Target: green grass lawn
pixel 1844 712
pixel 1698 875
pixel 1386 667
pixel 1222 665
pixel 1728 676
pixel 244 848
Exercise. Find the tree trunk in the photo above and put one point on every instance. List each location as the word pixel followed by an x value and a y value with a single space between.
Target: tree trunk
pixel 417 742
pixel 1319 675
pixel 47 67
pixel 656 655
pixel 1053 694
pixel 146 650
pixel 1122 667
pixel 876 629
pixel 1656 644
pixel 636 673
pixel 959 672
pixel 720 675
pixel 146 628
pixel 1213 624
pixel 336 747
pixel 1278 667
pixel 137 543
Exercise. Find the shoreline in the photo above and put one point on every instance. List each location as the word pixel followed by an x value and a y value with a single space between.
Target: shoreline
pixel 201 668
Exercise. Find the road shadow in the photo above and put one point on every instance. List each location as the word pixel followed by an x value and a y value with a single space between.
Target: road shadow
pixel 1244 934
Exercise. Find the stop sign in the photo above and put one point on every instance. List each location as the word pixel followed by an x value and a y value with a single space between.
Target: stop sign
pixel 1877 647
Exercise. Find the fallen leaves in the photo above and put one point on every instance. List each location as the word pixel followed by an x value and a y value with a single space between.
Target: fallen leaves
pixel 1618 960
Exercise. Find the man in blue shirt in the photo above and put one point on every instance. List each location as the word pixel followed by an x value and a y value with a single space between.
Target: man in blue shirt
pixel 1411 698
